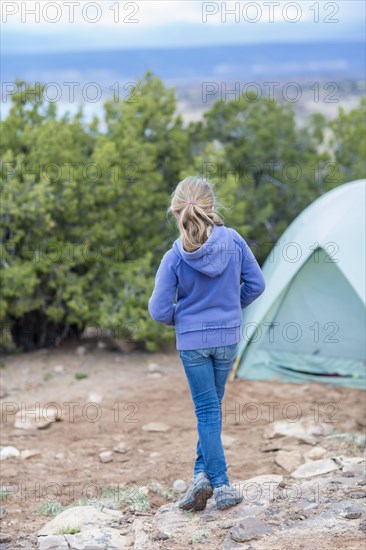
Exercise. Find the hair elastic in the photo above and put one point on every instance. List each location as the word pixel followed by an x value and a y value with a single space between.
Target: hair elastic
pixel 192 202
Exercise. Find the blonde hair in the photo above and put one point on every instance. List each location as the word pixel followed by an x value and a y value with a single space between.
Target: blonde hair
pixel 194 202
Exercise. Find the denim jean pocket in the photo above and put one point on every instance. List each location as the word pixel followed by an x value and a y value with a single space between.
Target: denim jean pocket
pixel 190 354
pixel 231 351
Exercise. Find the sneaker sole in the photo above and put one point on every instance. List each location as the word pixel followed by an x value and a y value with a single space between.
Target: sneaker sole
pixel 200 500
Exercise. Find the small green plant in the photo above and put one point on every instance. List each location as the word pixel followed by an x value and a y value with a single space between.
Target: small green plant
pixel 4 494
pixel 136 500
pixel 2 364
pixel 166 492
pixel 80 375
pixel 50 508
pixel 69 531
pixel 202 534
pixel 47 376
pixel 357 440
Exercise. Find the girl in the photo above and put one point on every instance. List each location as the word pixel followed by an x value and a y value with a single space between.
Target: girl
pixel 203 272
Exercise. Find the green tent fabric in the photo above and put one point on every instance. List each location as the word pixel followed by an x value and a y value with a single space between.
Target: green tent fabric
pixel 309 324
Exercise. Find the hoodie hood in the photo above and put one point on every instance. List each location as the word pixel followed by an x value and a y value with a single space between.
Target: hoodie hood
pixel 213 256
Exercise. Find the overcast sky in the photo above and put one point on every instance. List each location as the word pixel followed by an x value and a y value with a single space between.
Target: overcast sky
pixel 86 25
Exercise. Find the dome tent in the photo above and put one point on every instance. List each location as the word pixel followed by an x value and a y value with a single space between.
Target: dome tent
pixel 309 324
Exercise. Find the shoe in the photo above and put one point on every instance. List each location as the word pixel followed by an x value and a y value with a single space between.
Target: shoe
pixel 226 496
pixel 197 495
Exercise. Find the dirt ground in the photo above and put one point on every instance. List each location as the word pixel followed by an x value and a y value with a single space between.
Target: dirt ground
pixel 68 466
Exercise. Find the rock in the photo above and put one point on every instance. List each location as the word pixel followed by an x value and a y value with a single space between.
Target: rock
pixel 180 485
pixel 94 398
pixel 153 367
pixel 249 529
pixel 304 429
pixel 80 350
pixel 29 453
pixel 81 517
pixel 52 542
pixel 288 460
pixel 228 440
pixel 3 513
pixel 159 535
pixel 106 456
pixel 141 538
pixel 353 512
pixel 229 544
pixel 357 494
pixel 40 419
pixel 97 539
pixel 316 453
pixel 59 369
pixel 155 427
pixel 121 447
pixel 362 526
pixel 5 537
pixel 101 344
pixel 280 443
pixel 348 463
pixel 9 452
pixel 315 468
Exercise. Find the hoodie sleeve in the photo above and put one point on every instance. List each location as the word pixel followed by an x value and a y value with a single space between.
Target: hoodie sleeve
pixel 253 280
pixel 161 304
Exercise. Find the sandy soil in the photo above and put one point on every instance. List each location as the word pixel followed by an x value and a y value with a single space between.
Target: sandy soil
pixel 69 466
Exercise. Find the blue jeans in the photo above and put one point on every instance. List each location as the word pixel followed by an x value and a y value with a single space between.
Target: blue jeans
pixel 207 370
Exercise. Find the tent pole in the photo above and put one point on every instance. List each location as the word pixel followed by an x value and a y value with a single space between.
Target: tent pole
pixel 234 368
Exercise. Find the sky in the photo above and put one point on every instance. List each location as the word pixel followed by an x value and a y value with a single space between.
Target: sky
pixel 46 26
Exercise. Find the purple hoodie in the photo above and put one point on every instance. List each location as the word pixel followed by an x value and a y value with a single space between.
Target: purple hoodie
pixel 211 286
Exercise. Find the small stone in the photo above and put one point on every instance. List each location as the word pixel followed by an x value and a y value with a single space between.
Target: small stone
pixel 347 474
pixel 94 398
pixel 155 427
pixel 315 468
pixel 316 453
pixel 3 513
pixel 155 375
pixel 29 453
pixel 179 485
pixel 357 494
pixel 121 447
pixel 106 456
pixel 248 529
pixel 81 350
pixel 41 418
pixel 101 345
pixel 288 460
pixel 9 452
pixel 5 537
pixel 362 526
pixel 59 369
pixel 353 512
pixel 160 536
pixel 154 454
pixel 153 367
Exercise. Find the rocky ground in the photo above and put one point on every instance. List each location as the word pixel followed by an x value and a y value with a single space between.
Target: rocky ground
pixel 106 460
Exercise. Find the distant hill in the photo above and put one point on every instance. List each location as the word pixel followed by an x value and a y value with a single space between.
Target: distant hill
pixel 179 66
